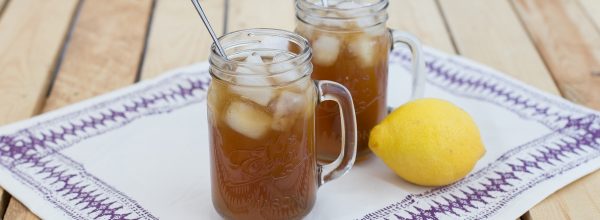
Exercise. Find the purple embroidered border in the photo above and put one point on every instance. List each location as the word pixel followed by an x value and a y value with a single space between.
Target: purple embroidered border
pixel 32 154
pixel 575 140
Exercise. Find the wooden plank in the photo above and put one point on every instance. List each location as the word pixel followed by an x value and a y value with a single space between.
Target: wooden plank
pixel 592 7
pixel 27 57
pixel 246 14
pixel 570 45
pixel 103 54
pixel 423 19
pixel 178 37
pixel 105 50
pixel 579 200
pixel 17 211
pixel 4 196
pixel 2 4
pixel 490 32
pixel 420 17
pixel 567 34
pixel 4 199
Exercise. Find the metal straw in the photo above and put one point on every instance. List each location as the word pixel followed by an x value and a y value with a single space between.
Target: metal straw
pixel 214 37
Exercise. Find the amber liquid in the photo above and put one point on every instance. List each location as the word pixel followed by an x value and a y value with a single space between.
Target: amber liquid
pixel 267 170
pixel 361 66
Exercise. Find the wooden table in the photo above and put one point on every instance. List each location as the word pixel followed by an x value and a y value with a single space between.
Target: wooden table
pixel 57 52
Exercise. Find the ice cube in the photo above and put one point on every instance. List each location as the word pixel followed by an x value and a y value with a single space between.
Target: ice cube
pixel 244 70
pixel 254 88
pixel 280 57
pixel 257 65
pixel 325 50
pixel 254 80
pixel 275 43
pixel 348 5
pixel 259 95
pixel 247 120
pixel 335 23
pixel 364 48
pixel 254 58
pixel 285 70
pixel 286 109
pixel 351 8
pixel 365 22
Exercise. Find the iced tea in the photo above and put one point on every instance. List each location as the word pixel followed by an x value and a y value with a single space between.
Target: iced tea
pixel 351 45
pixel 262 150
pixel 261 112
pixel 357 58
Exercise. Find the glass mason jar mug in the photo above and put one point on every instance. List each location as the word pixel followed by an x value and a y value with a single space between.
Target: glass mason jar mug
pixel 261 107
pixel 351 43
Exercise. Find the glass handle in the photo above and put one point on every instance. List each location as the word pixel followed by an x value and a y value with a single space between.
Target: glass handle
pixel 418 64
pixel 332 91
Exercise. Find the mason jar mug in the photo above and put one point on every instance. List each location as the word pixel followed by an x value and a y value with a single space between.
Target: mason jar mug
pixel 351 43
pixel 261 113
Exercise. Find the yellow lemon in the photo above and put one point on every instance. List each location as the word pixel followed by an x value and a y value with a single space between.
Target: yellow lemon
pixel 428 142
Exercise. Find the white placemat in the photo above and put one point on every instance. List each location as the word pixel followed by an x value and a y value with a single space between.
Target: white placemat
pixel 142 152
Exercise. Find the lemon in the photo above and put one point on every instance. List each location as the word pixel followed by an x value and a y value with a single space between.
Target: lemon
pixel 428 142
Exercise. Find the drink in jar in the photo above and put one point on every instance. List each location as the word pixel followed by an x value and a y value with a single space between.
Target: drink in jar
pixel 261 113
pixel 261 153
pixel 350 44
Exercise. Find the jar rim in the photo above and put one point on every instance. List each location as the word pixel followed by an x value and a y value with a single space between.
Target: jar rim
pixel 227 67
pixel 302 42
pixel 318 9
pixel 310 12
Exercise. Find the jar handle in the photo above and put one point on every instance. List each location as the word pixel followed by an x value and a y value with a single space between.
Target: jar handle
pixel 332 91
pixel 418 64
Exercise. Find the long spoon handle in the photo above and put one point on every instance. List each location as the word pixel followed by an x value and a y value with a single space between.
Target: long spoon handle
pixel 209 28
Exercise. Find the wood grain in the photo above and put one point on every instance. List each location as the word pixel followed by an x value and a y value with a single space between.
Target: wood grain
pixel 579 200
pixel 3 4
pixel 31 36
pixel 103 54
pixel 4 199
pixel 487 31
pixel 490 32
pixel 244 14
pixel 570 45
pixel 178 37
pixel 4 196
pixel 592 7
pixel 27 57
pixel 17 211
pixel 423 19
pixel 420 17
